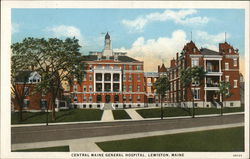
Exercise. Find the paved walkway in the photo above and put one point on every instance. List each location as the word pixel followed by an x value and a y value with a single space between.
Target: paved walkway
pixel 107 116
pixel 88 144
pixel 133 114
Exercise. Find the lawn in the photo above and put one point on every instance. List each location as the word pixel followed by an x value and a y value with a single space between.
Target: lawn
pixel 61 116
pixel 46 149
pixel 172 112
pixel 120 114
pixel 224 140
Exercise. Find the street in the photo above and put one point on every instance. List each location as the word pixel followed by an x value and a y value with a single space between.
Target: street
pixel 74 131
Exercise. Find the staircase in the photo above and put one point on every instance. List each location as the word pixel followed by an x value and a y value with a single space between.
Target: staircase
pixel 107 106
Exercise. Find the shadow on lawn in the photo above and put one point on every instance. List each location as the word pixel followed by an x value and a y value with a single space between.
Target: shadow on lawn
pixel 32 115
pixel 64 113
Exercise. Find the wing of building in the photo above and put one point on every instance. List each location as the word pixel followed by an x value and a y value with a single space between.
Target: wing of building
pixel 219 66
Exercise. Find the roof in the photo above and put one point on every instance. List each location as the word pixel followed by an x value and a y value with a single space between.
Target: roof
pixel 151 74
pixel 107 36
pixel 205 51
pixel 120 58
pixel 162 68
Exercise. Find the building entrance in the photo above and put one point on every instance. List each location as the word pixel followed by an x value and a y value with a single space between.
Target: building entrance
pixel 107 98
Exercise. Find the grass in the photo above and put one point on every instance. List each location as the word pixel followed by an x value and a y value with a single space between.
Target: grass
pixel 46 149
pixel 61 116
pixel 120 114
pixel 172 112
pixel 219 140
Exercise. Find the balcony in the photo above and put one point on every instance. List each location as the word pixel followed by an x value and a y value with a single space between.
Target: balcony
pixel 212 83
pixel 213 68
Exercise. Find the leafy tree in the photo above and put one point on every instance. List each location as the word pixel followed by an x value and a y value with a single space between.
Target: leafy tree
pixel 55 60
pixel 19 91
pixel 162 85
pixel 224 88
pixel 189 75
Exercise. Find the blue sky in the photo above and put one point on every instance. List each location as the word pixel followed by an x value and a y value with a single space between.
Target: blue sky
pixel 143 33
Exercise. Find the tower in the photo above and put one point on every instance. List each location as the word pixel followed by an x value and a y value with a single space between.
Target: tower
pixel 107 46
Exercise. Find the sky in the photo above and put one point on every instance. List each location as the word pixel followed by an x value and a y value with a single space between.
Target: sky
pixel 151 35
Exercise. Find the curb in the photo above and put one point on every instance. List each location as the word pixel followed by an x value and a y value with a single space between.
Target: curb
pixel 99 121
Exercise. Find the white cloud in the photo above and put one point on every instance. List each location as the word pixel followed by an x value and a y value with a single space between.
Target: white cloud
pixel 66 31
pixel 179 17
pixel 15 28
pixel 152 51
pixel 210 41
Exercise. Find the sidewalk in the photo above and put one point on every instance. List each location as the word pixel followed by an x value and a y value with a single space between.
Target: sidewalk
pixel 133 114
pixel 88 144
pixel 108 117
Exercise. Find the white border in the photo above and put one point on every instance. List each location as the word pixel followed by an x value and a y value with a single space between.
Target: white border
pixel 5 60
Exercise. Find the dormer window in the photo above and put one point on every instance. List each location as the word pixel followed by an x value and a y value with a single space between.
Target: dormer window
pixel 194 49
pixel 230 51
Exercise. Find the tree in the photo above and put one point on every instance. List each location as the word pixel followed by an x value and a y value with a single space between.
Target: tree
pixel 55 60
pixel 192 74
pixel 224 88
pixel 162 85
pixel 19 91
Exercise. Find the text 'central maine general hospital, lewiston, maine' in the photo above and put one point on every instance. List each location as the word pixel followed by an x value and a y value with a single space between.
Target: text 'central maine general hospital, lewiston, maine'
pixel 113 80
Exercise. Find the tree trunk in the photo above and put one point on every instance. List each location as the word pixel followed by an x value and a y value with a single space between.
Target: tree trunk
pixel 161 109
pixel 21 112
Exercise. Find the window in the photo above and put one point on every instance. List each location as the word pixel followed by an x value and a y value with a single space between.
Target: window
pixel 230 51
pixel 138 67
pixel 235 83
pixel 98 98
pixel 26 103
pixel 130 67
pixel 196 93
pixel 26 91
pixel 194 49
pixel 195 62
pixel 90 88
pixel 195 83
pixel 90 77
pixel 90 67
pixel 130 77
pixel 84 98
pixel 90 98
pixel 43 103
pixel 138 98
pixel 84 88
pixel 124 67
pixel 116 98
pixel 138 78
pixel 124 98
pixel 226 66
pixel 124 88
pixel 98 76
pixel 130 98
pixel 235 62
pixel 138 88
pixel 231 104
pixel 130 88
pixel 75 88
pixel 227 78
pixel 124 77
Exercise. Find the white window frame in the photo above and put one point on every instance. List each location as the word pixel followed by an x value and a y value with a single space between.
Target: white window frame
pixel 195 62
pixel 226 66
pixel 196 96
pixel 90 88
pixel 227 78
pixel 75 88
pixel 235 62
pixel 138 88
pixel 235 83
pixel 85 88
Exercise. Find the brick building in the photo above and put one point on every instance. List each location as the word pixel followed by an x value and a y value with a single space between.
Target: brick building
pixel 112 80
pixel 219 66
pixel 150 93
